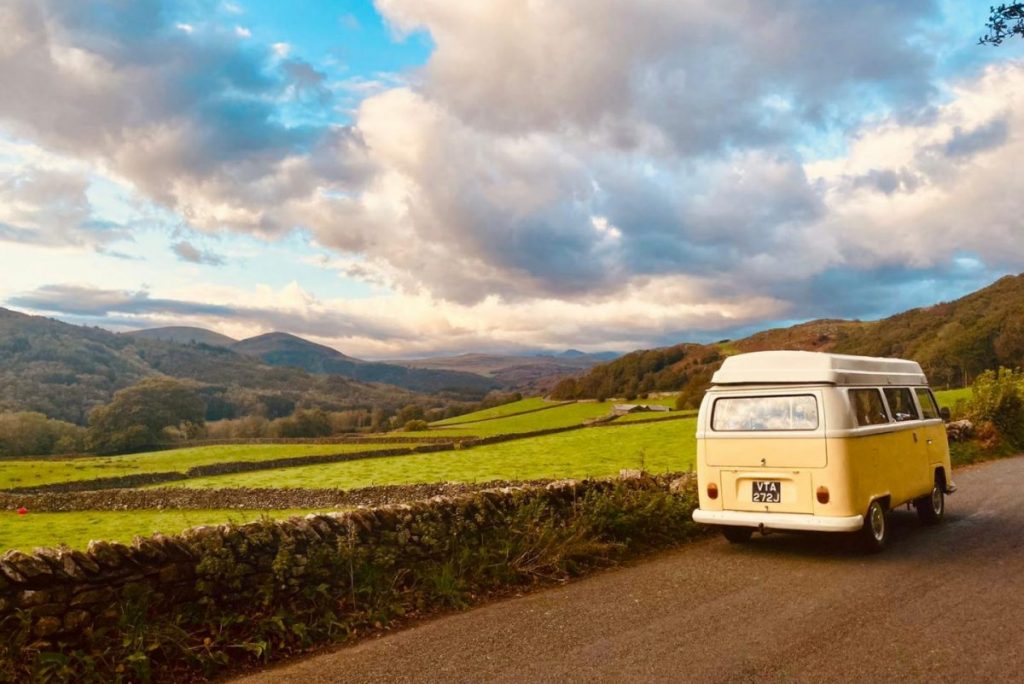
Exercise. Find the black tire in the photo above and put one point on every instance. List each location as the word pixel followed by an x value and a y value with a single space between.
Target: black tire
pixel 932 508
pixel 737 535
pixel 875 533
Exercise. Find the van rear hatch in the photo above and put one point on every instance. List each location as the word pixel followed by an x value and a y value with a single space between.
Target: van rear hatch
pixel 767 452
pixel 766 431
pixel 765 445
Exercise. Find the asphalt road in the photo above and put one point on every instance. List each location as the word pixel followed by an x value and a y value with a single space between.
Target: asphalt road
pixel 944 604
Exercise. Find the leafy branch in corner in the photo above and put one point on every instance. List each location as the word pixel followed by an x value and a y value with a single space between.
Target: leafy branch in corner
pixel 1004 21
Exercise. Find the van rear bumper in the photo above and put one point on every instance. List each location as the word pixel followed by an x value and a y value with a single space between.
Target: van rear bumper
pixel 780 521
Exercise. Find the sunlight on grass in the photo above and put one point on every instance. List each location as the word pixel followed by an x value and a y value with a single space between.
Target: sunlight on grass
pixel 76 528
pixel 37 471
pixel 658 447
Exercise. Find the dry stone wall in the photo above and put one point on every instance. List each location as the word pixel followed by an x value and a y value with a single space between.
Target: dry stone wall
pixel 172 608
pixel 239 497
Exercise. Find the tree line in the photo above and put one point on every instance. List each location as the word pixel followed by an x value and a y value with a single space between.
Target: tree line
pixel 162 410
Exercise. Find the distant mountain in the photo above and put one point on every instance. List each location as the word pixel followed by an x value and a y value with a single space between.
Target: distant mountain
pixel 183 334
pixel 283 349
pixel 534 374
pixel 66 370
pixel 953 342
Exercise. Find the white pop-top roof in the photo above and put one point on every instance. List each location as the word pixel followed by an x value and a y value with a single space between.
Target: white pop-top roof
pixel 791 367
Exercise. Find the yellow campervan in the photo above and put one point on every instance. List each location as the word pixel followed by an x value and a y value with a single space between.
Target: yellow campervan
pixel 793 440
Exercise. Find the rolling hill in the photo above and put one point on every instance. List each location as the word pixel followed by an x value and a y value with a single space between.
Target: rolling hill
pixel 530 374
pixel 64 371
pixel 183 334
pixel 953 342
pixel 283 349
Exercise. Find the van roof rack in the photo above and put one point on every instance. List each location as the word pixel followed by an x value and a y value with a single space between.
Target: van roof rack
pixel 802 367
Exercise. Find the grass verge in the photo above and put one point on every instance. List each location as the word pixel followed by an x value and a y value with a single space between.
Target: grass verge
pixel 76 529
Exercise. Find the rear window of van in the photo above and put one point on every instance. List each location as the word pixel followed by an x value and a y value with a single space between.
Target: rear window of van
pixel 755 414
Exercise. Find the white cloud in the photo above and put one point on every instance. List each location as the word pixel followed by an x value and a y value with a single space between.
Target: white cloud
pixel 243 32
pixel 592 168
pixel 369 327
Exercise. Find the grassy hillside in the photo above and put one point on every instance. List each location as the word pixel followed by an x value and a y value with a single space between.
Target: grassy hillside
pixel 953 342
pixel 510 409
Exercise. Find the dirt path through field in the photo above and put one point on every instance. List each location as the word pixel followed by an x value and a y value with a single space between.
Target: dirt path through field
pixel 944 604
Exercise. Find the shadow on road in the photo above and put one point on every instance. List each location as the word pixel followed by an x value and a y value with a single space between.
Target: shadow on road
pixel 909 538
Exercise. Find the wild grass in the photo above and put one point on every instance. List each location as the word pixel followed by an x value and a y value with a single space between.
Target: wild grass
pixel 27 472
pixel 76 528
pixel 661 446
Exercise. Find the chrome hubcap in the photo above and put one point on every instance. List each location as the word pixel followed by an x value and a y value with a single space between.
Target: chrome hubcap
pixel 937 500
pixel 877 522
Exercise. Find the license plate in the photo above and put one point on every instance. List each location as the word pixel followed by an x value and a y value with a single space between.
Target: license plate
pixel 767 491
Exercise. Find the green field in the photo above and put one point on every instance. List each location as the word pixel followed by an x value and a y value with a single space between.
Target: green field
pixel 590 452
pixel 950 397
pixel 521 406
pixel 651 415
pixel 26 472
pixel 565 415
pixel 77 528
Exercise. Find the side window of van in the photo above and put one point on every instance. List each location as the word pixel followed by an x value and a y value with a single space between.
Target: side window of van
pixel 927 402
pixel 901 403
pixel 868 407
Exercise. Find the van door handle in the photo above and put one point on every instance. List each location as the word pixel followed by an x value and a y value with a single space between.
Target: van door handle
pixel 915 438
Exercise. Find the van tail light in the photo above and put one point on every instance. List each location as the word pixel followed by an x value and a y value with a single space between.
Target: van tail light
pixel 822 495
pixel 712 490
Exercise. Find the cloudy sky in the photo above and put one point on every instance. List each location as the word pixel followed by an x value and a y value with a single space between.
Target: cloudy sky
pixel 410 177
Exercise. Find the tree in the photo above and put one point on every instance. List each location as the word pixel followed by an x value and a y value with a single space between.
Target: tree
pixel 33 434
pixel 1004 21
pixel 137 415
pixel 409 412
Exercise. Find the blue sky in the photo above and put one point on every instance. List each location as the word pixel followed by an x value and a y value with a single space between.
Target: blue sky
pixel 419 177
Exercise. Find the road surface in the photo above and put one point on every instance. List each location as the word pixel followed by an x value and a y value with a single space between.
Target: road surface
pixel 944 604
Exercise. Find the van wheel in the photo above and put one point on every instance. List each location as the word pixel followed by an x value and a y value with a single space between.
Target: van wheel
pixel 931 508
pixel 875 533
pixel 737 535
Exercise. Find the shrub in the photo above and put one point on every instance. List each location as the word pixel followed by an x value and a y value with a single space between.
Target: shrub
pixel 302 423
pixel 33 434
pixel 416 426
pixel 997 407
